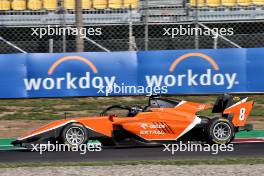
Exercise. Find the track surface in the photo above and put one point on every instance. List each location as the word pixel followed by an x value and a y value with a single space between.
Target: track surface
pixel 147 153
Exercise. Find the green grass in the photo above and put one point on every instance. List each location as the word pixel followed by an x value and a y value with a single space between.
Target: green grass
pixel 223 161
pixel 33 116
pixel 50 109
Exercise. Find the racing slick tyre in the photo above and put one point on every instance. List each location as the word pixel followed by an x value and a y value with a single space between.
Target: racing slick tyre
pixel 74 134
pixel 220 131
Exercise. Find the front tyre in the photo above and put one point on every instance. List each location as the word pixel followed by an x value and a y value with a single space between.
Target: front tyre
pixel 220 131
pixel 74 135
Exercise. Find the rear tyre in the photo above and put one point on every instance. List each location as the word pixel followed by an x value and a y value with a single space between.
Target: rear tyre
pixel 220 131
pixel 74 135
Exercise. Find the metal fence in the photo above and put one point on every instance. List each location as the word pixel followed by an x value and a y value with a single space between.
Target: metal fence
pixel 154 25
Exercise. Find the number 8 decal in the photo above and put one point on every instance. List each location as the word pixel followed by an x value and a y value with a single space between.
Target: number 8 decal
pixel 242 114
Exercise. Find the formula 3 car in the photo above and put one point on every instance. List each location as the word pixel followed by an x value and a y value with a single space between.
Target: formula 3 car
pixel 162 120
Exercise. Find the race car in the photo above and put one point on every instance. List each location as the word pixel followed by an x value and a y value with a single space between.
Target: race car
pixel 162 120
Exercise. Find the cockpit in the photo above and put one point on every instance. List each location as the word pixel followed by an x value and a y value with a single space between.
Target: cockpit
pixel 131 111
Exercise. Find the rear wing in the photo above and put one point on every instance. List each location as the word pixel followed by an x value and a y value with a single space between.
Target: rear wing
pixel 240 112
pixel 236 109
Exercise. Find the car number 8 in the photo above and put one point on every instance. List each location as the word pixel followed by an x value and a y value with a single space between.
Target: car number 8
pixel 242 114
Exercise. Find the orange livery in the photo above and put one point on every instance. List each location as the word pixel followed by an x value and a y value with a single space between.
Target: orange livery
pixel 163 119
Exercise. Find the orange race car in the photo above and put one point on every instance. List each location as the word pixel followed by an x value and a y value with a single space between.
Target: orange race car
pixel 162 120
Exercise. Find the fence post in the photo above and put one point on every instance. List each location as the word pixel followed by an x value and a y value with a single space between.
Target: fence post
pixel 50 45
pixel 196 39
pixel 64 46
pixel 215 40
pixel 79 26
pixel 146 24
pixel 130 30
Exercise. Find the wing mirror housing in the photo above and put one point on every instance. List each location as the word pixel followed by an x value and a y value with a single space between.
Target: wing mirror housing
pixel 111 117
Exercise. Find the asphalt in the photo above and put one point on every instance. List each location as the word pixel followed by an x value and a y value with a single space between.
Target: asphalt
pixel 143 153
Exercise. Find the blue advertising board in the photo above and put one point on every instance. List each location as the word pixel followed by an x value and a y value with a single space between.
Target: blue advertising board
pixel 81 74
pixel 131 73
pixel 197 71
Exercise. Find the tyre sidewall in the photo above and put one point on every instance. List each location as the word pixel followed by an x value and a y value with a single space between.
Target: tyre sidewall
pixel 211 137
pixel 64 131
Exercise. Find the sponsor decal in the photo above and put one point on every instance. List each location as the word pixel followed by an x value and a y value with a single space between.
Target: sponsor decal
pixel 153 128
pixel 210 77
pixel 143 125
pixel 91 79
pixel 68 80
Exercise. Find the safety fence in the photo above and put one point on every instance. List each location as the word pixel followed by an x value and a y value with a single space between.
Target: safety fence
pixel 131 25
pixel 126 37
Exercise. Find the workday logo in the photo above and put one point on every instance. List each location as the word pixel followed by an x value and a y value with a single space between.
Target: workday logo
pixel 211 77
pixel 68 80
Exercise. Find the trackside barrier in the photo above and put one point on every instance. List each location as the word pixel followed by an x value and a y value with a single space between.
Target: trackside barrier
pixel 176 71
